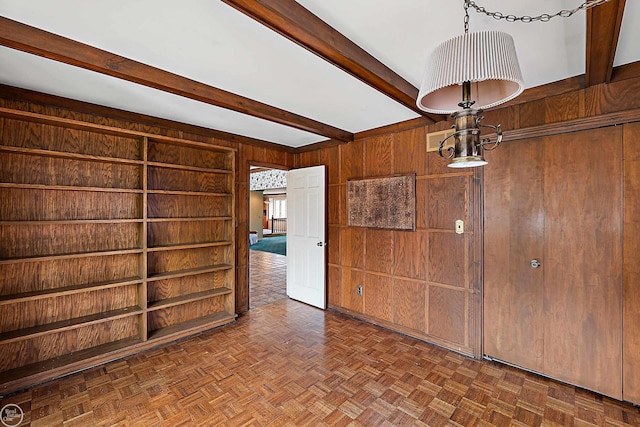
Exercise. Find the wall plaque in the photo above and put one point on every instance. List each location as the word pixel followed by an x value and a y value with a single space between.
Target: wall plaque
pixel 388 202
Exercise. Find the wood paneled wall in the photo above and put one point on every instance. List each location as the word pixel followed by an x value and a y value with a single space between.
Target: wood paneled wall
pixel 425 282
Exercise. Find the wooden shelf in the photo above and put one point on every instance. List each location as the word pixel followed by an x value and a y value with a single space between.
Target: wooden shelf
pixel 187 219
pixel 189 193
pixel 69 188
pixel 72 255
pixel 190 144
pixel 188 272
pixel 68 290
pixel 201 323
pixel 73 221
pixel 72 156
pixel 189 246
pixel 64 325
pixel 170 302
pixel 68 123
pixel 188 168
pixel 38 371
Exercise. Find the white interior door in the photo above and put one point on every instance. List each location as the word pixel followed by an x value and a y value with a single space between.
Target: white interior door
pixel 306 235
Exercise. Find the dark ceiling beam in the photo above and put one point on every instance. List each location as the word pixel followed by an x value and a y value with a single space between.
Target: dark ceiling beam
pixel 603 30
pixel 293 21
pixel 29 39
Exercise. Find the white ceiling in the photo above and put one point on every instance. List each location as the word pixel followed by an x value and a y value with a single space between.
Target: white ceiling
pixel 209 41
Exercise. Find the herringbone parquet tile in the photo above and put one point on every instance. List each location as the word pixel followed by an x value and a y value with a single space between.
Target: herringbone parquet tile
pixel 287 364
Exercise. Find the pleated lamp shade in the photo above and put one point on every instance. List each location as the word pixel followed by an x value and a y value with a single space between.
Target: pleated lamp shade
pixel 487 59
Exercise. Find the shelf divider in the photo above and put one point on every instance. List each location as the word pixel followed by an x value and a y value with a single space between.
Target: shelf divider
pixel 191 326
pixel 189 193
pixel 70 156
pixel 65 325
pixel 197 296
pixel 189 246
pixel 188 272
pixel 69 188
pixel 72 221
pixel 70 255
pixel 68 290
pixel 188 168
pixel 189 219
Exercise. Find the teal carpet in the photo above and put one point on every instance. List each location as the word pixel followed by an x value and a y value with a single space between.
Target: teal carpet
pixel 276 245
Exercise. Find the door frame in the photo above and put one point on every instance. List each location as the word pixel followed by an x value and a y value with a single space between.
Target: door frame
pixel 245 232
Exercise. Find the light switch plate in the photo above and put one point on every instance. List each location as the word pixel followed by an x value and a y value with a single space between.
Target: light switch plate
pixel 459 226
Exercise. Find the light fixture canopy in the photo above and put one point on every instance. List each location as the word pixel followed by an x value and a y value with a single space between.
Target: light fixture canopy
pixel 487 59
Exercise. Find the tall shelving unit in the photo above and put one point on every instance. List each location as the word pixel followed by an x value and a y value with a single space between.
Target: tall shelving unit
pixel 111 241
pixel 190 237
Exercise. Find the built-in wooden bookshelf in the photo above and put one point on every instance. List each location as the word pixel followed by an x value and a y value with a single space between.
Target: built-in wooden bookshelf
pixel 190 271
pixel 111 241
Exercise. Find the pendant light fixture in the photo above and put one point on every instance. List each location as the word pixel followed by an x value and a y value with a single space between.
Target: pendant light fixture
pixel 478 69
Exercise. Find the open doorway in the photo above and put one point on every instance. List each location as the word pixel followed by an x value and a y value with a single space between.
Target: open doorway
pixel 267 236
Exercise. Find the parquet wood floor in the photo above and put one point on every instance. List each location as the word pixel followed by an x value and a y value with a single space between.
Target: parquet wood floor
pixel 288 364
pixel 267 278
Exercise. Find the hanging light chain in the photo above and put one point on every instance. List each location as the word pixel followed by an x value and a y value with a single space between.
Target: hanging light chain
pixel 466 16
pixel 588 4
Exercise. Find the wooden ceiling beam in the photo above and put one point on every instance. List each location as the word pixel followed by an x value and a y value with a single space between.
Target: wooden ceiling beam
pixel 603 31
pixel 291 20
pixel 32 40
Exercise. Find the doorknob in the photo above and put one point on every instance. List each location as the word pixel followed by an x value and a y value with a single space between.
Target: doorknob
pixel 535 263
pixel 320 244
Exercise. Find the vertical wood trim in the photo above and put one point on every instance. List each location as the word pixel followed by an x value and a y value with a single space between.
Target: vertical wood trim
pixel 427 295
pixel 230 300
pixel 142 295
pixel 247 271
pixel 468 274
pixel 631 268
pixel 476 208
